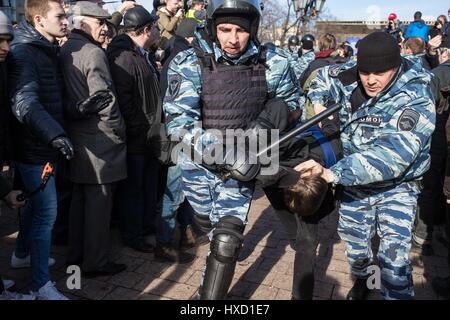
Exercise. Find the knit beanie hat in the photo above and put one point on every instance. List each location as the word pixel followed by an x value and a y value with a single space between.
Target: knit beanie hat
pixel 6 27
pixel 242 20
pixel 378 52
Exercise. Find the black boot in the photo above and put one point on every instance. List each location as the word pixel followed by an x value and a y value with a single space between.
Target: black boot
pixel 359 291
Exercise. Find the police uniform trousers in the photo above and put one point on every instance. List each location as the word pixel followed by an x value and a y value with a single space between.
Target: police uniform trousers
pixel 389 212
pixel 212 197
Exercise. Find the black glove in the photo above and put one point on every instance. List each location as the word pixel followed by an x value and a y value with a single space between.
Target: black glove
pixel 95 103
pixel 64 145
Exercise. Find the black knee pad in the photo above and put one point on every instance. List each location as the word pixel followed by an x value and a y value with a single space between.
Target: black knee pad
pixel 203 223
pixel 227 239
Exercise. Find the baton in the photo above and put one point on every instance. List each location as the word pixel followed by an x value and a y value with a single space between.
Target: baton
pixel 310 123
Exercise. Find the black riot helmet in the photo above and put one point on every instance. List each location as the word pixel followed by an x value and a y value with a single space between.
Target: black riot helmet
pixel 240 9
pixel 308 41
pixel 293 41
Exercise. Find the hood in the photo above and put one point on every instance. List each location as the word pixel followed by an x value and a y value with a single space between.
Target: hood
pixel 120 43
pixel 25 33
pixel 420 24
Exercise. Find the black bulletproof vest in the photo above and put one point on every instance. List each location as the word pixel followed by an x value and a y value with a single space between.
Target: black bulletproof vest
pixel 232 96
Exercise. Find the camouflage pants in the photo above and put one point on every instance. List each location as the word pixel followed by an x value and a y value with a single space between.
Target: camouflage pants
pixel 391 214
pixel 212 197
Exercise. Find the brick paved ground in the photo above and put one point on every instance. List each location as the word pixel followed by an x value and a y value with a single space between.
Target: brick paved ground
pixel 265 271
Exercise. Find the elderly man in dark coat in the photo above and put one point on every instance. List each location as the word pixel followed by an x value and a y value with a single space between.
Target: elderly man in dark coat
pixel 98 132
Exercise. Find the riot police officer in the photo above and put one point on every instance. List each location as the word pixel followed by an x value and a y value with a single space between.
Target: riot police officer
pixel 386 121
pixel 225 80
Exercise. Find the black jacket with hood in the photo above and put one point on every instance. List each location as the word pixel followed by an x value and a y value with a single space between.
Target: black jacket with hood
pixel 36 89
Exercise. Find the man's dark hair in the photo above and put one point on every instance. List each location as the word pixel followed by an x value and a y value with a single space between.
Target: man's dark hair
pixel 418 15
pixel 140 30
pixel 306 196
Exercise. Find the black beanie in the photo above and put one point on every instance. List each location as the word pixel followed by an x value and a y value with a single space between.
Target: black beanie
pixel 378 52
pixel 242 20
pixel 187 28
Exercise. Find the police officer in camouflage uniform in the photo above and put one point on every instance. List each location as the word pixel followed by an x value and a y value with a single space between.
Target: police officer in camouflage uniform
pixel 308 54
pixel 295 51
pixel 225 80
pixel 387 119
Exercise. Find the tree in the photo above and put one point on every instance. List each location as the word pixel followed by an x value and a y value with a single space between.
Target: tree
pixel 281 20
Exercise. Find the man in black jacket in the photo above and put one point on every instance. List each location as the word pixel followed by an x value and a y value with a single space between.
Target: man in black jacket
pixel 36 90
pixel 139 98
pixel 6 192
pixel 440 87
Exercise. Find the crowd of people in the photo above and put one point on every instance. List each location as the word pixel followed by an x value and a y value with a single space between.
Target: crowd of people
pixel 105 100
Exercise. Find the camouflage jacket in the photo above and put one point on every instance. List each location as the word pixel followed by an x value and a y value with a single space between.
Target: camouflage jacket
pixel 182 99
pixel 303 63
pixel 300 64
pixel 387 140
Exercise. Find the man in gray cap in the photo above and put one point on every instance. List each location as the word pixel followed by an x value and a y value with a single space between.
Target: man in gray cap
pixel 139 98
pixel 98 132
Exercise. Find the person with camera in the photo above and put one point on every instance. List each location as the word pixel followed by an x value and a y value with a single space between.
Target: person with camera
pixel 170 17
pixel 395 28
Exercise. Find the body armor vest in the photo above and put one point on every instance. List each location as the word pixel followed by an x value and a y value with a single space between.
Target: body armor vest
pixel 232 96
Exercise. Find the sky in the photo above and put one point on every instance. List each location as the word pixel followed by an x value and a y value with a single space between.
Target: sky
pixel 366 9
pixel 380 9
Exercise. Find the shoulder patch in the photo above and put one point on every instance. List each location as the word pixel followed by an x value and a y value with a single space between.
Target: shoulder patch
pixel 173 87
pixel 182 56
pixel 408 120
pixel 334 70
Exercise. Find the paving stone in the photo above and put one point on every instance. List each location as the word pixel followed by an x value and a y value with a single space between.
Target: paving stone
pixel 264 292
pixel 264 270
pixel 177 273
pixel 123 294
pixel 126 279
pixel 90 289
pixel 323 289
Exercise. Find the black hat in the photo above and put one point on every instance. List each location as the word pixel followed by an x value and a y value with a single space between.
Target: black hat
pixel 445 42
pixel 241 19
pixel 138 17
pixel 308 42
pixel 293 41
pixel 378 52
pixel 187 28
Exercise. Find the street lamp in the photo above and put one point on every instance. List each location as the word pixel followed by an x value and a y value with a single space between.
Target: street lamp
pixel 319 5
pixel 309 7
pixel 300 5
